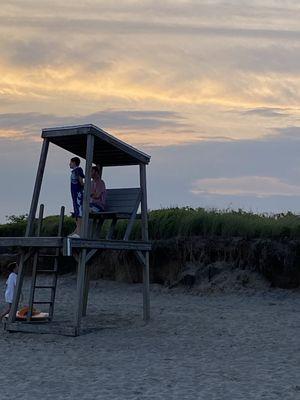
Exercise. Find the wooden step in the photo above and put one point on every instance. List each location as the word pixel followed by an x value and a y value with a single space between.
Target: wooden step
pixel 46 271
pixel 45 287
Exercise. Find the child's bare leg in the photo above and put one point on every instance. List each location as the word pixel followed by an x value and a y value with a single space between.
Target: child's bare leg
pixel 5 312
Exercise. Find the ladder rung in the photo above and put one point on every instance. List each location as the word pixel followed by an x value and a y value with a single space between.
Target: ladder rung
pixel 48 255
pixel 47 271
pixel 43 302
pixel 45 287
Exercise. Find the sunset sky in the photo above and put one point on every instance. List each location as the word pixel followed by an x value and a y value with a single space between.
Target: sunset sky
pixel 210 89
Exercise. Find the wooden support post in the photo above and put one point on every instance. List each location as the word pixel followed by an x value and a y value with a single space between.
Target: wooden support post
pixel 86 288
pixel 112 229
pixel 80 290
pixel 30 227
pixel 55 266
pixel 132 219
pixel 37 188
pixel 139 255
pixel 145 236
pixel 81 280
pixel 87 186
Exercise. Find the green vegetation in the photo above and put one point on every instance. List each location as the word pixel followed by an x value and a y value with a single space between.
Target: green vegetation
pixel 186 221
pixel 183 222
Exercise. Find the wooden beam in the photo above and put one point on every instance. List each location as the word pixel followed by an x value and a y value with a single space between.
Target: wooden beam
pixel 145 236
pixel 112 228
pixel 91 254
pixel 29 228
pixel 87 186
pixel 81 273
pixel 110 244
pixel 66 131
pixel 80 290
pixel 139 255
pixel 37 188
pixel 132 219
pixel 86 288
pixel 31 241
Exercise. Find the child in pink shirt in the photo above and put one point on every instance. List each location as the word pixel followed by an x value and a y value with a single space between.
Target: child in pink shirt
pixel 98 192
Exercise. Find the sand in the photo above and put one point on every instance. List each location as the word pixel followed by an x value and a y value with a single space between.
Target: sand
pixel 242 344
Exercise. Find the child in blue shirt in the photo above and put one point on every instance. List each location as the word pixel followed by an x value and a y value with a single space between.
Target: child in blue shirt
pixel 77 185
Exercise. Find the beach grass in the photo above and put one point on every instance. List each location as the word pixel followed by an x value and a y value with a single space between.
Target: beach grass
pixel 184 222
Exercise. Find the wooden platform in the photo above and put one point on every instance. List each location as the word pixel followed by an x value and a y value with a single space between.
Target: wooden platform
pixel 62 242
pixel 31 241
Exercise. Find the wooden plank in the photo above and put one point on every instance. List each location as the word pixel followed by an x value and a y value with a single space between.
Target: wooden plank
pixel 120 210
pixel 124 190
pixel 121 203
pixel 31 241
pixel 144 211
pixel 37 187
pixel 122 199
pixel 66 131
pixel 123 193
pixel 110 215
pixel 110 244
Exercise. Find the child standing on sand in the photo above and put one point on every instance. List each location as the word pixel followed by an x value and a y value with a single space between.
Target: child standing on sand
pixel 10 287
pixel 77 184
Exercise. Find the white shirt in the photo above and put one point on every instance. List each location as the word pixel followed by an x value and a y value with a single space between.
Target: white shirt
pixel 10 287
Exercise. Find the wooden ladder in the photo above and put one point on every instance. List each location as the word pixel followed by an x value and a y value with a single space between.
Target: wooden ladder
pixel 38 270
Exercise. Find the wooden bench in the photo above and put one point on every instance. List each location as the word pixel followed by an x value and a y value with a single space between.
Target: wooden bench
pixel 120 204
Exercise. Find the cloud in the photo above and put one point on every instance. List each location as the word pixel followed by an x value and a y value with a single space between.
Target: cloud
pixel 285 135
pixel 259 186
pixel 151 127
pixel 269 112
pixel 118 27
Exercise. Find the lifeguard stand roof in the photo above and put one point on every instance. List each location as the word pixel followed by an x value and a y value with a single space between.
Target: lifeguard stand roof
pixel 108 150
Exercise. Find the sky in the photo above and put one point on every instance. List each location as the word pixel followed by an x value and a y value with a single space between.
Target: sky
pixel 209 89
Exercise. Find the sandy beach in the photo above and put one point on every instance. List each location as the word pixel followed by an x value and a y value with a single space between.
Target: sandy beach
pixel 228 345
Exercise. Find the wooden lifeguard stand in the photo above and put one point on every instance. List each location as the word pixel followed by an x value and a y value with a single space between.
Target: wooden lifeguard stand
pixel 98 147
